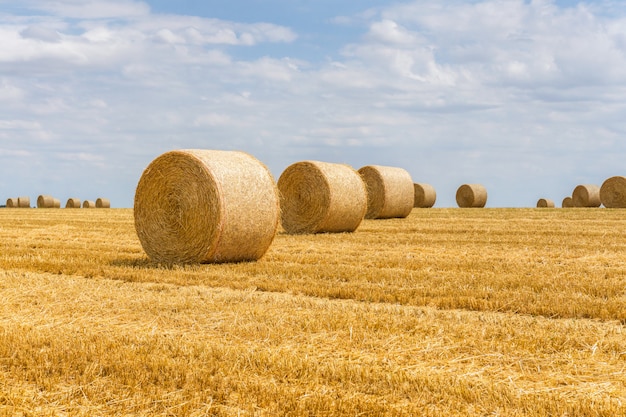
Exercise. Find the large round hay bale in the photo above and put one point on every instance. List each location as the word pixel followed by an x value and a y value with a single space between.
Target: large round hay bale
pixel 390 191
pixel 612 192
pixel 317 197
pixel 57 203
pixel 103 203
pixel 206 206
pixel 89 204
pixel 73 203
pixel 45 201
pixel 567 202
pixel 586 195
pixel 545 203
pixel 12 203
pixel 425 195
pixel 23 202
pixel 471 195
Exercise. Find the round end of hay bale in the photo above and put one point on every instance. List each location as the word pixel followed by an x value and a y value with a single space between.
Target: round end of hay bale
pixel 11 203
pixel 23 202
pixel 103 203
pixel 89 204
pixel 318 197
pixel 471 196
pixel 425 195
pixel 567 202
pixel 390 192
pixel 545 203
pixel 73 203
pixel 612 192
pixel 206 206
pixel 586 195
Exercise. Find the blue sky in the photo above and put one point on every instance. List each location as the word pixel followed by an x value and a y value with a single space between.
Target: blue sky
pixel 526 97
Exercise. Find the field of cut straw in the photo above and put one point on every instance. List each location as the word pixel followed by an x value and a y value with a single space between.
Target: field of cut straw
pixel 448 312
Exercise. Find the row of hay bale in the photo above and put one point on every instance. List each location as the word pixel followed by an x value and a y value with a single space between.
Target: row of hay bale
pixel 210 206
pixel 611 194
pixel 48 201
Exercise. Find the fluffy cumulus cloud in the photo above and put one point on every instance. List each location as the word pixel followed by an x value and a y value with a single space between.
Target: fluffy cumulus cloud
pixel 525 97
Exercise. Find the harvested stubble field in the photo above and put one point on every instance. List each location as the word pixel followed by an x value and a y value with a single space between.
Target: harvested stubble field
pixel 449 312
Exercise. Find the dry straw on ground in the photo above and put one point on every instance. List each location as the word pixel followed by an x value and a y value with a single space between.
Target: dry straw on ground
pixel 89 204
pixel 471 195
pixel 567 202
pixel 545 203
pixel 389 191
pixel 425 195
pixel 45 201
pixel 318 197
pixel 11 202
pixel 612 192
pixel 23 202
pixel 73 203
pixel 586 195
pixel 206 206
pixel 103 203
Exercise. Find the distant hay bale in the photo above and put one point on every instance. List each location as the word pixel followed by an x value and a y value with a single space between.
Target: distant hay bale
pixel 471 195
pixel 567 202
pixel 73 203
pixel 57 203
pixel 545 203
pixel 23 202
pixel 612 192
pixel 318 197
pixel 89 204
pixel 45 201
pixel 425 195
pixel 390 191
pixel 103 203
pixel 12 203
pixel 586 195
pixel 206 206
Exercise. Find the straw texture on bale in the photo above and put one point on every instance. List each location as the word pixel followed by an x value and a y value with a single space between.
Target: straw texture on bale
pixel 425 195
pixel 57 203
pixel 586 195
pixel 471 195
pixel 103 203
pixel 23 202
pixel 318 197
pixel 73 203
pixel 390 191
pixel 45 201
pixel 89 204
pixel 612 192
pixel 567 202
pixel 206 206
pixel 545 203
pixel 11 202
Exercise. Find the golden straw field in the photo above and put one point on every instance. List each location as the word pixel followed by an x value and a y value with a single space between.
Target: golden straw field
pixel 448 312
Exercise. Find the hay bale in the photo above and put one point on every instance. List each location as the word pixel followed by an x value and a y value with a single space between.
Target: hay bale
pixel 471 195
pixel 317 197
pixel 545 203
pixel 57 203
pixel 612 192
pixel 390 191
pixel 23 202
pixel 89 204
pixel 586 195
pixel 206 206
pixel 567 202
pixel 73 203
pixel 45 201
pixel 11 203
pixel 103 203
pixel 425 195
